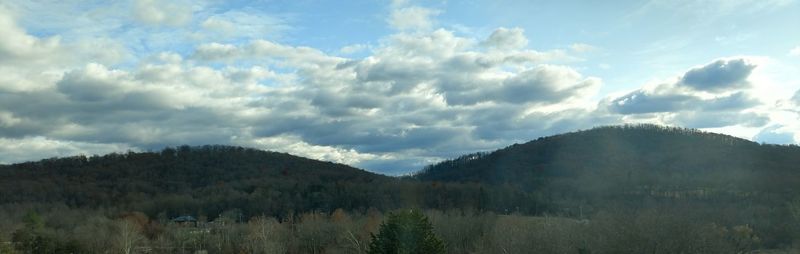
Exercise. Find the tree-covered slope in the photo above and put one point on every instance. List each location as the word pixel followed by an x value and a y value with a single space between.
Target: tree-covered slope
pixel 190 179
pixel 209 180
pixel 631 159
pixel 620 182
pixel 549 174
pixel 696 176
pixel 627 149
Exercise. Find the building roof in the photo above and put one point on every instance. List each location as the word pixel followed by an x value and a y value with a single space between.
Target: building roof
pixel 185 218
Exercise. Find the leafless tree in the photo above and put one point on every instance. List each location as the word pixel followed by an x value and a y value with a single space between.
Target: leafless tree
pixel 128 236
pixel 265 235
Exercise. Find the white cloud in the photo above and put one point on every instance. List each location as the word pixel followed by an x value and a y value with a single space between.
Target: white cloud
pixel 161 12
pixel 216 51
pixel 776 134
pixel 795 51
pixel 412 18
pixel 354 48
pixel 17 46
pixel 374 111
pixel 7 119
pixel 295 145
pixel 416 96
pixel 399 3
pixel 240 25
pixel 35 148
pixel 506 38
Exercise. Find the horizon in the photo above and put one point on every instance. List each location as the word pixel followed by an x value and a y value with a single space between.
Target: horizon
pixel 386 86
pixel 406 172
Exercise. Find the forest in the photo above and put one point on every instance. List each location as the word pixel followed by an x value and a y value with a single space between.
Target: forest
pixel 615 189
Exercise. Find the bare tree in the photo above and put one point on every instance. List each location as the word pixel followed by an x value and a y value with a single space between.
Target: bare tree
pixel 128 236
pixel 265 236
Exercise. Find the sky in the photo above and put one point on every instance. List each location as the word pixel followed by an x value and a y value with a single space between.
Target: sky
pixel 388 86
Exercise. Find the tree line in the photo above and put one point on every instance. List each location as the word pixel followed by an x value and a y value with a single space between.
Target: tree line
pixel 612 189
pixel 665 229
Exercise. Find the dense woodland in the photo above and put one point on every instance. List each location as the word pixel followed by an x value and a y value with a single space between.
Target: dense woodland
pixel 621 189
pixel 208 180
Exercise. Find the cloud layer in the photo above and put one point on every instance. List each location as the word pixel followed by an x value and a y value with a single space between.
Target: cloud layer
pixel 419 95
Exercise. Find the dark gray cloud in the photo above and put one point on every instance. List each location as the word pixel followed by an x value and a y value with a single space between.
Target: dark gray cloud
pixel 711 96
pixel 83 86
pixel 640 101
pixel 540 85
pixel 544 84
pixel 720 75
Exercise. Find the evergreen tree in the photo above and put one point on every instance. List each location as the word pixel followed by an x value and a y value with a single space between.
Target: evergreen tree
pixel 406 232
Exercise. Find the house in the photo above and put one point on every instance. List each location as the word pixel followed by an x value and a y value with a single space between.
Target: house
pixel 185 220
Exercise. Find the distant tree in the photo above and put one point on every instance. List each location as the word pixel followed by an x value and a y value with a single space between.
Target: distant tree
pixel 35 238
pixel 128 235
pixel 794 212
pixel 96 234
pixel 794 209
pixel 265 235
pixel 315 232
pixel 33 221
pixel 29 238
pixel 406 232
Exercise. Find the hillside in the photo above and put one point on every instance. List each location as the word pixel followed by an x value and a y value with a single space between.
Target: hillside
pixel 634 149
pixel 550 174
pixel 210 180
pixel 633 162
pixel 189 179
pixel 618 189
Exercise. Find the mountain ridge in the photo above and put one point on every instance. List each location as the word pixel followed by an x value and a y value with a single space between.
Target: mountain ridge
pixel 625 147
pixel 628 162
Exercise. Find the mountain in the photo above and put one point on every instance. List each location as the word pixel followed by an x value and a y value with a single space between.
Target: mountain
pixel 617 186
pixel 564 174
pixel 633 162
pixel 646 175
pixel 627 149
pixel 190 179
pixel 210 180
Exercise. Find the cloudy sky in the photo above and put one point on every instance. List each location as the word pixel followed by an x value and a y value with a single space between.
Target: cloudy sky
pixel 388 86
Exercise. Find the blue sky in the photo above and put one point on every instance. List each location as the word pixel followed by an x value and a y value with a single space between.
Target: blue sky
pixel 388 86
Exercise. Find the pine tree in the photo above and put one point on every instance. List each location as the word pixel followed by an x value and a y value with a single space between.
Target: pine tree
pixel 406 232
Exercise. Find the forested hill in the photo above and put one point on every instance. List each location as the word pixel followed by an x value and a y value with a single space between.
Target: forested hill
pixel 621 171
pixel 209 180
pixel 189 179
pixel 636 184
pixel 550 174
pixel 644 153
